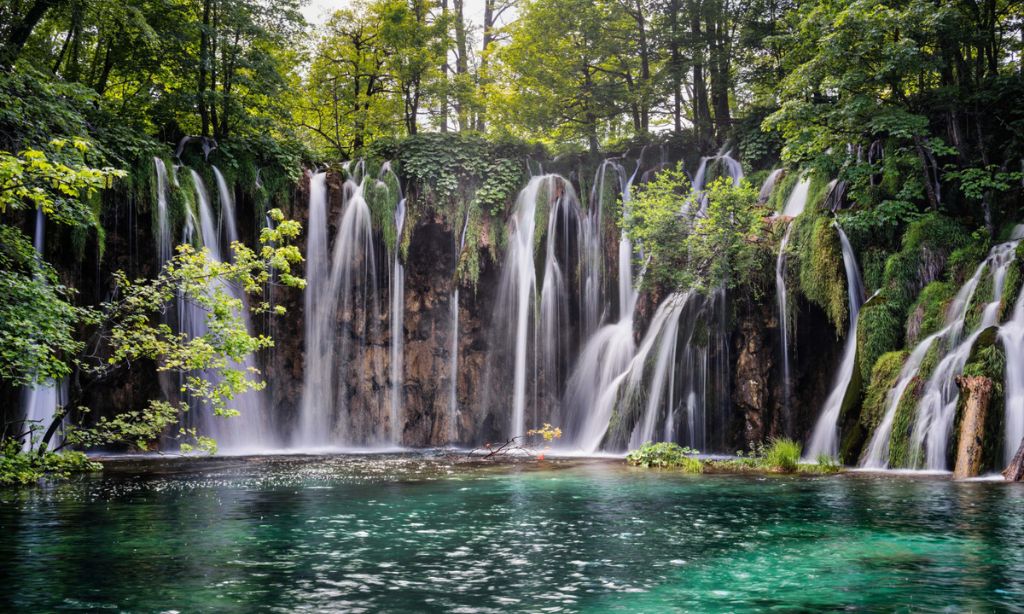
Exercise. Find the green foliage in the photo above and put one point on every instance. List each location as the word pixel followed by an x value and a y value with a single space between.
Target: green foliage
pixel 724 247
pixel 977 183
pixel 928 314
pixel 38 319
pixel 822 273
pixel 781 455
pixel 61 184
pixel 665 455
pixel 828 464
pixel 19 468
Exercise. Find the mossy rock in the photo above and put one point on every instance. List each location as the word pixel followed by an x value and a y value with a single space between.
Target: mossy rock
pixel 928 315
pixel 988 359
pixel 1012 287
pixel 822 272
pixel 879 330
pixel 901 449
pixel 884 375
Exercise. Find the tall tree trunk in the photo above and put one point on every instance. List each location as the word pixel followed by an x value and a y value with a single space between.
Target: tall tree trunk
pixel 214 40
pixel 444 72
pixel 19 31
pixel 461 66
pixel 488 40
pixel 108 65
pixel 676 68
pixel 74 65
pixel 720 78
pixel 701 111
pixel 204 66
pixel 644 101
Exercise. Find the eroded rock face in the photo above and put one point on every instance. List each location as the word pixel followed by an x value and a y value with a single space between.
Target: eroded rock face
pixel 751 387
pixel 362 361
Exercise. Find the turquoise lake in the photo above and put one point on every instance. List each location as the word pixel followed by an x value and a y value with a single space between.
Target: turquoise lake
pixel 419 533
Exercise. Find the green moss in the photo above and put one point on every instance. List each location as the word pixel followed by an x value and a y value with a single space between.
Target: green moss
pixel 873 268
pixel 900 452
pixel 783 187
pixel 883 378
pixel 822 273
pixel 1013 283
pixel 963 261
pixel 928 315
pixel 879 330
pixel 988 359
pixel 922 257
pixel 983 295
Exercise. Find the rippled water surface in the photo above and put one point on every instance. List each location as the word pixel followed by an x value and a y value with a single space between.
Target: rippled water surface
pixel 410 533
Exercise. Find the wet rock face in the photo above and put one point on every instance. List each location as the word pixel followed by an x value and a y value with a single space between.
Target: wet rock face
pixel 754 361
pixel 363 360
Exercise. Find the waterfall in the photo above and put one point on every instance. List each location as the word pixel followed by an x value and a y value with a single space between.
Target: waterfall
pixel 341 305
pixel 794 206
pixel 730 167
pixel 250 430
pixel 613 383
pixel 769 185
pixel 42 399
pixel 668 372
pixel 671 335
pixel 453 352
pixel 397 321
pixel 937 407
pixel 825 438
pixel 538 333
pixel 1012 336
pixel 318 374
pixel 590 391
pixel 163 239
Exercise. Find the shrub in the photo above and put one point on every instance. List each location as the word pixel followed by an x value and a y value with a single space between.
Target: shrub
pixel 665 454
pixel 19 468
pixel 781 454
pixel 828 464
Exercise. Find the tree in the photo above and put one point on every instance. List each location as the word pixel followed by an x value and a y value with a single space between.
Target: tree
pixel 685 248
pixel 560 70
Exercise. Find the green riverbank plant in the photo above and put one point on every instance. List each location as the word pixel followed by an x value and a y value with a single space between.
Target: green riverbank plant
pixel 665 455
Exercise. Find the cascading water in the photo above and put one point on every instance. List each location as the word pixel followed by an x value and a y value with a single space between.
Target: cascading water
pixel 1012 336
pixel 684 313
pixel 453 352
pixel 251 429
pixel 729 166
pixel 41 400
pixel 163 239
pixel 608 351
pixel 769 185
pixel 795 204
pixel 343 278
pixel 937 407
pixel 825 438
pixel 523 325
pixel 396 317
